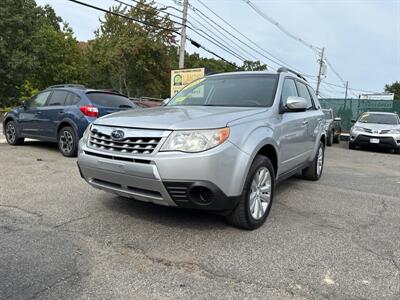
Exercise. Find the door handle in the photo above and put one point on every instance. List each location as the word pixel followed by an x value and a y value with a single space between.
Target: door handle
pixel 319 119
pixel 305 122
pixel 60 112
pixel 38 113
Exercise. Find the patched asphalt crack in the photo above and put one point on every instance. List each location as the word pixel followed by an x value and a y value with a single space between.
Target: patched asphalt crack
pixel 33 213
pixel 70 221
pixel 58 281
pixel 193 267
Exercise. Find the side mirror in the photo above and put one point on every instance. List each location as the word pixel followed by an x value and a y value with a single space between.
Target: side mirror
pixel 296 104
pixel 353 120
pixel 337 119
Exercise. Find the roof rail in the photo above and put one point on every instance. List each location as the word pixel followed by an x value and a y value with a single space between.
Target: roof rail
pixel 78 86
pixel 284 69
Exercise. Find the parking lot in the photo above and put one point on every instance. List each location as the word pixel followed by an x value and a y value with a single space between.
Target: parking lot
pixel 338 238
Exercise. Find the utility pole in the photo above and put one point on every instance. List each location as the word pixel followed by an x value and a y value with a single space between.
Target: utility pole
pixel 321 65
pixel 183 35
pixel 347 86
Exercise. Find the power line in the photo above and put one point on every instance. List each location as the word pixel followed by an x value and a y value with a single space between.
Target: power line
pixel 196 44
pixel 280 27
pixel 237 47
pixel 335 72
pixel 194 28
pixel 275 60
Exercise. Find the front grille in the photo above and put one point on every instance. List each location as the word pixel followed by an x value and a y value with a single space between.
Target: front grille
pixel 135 145
pixel 367 130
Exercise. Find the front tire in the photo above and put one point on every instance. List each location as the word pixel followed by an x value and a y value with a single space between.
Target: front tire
pixel 12 136
pixel 256 200
pixel 314 171
pixel 352 146
pixel 68 142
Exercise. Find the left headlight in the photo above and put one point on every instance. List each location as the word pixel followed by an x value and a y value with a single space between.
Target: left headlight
pixel 195 140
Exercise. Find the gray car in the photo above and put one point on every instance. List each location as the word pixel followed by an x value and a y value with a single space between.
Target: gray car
pixel 221 144
pixel 377 129
pixel 332 127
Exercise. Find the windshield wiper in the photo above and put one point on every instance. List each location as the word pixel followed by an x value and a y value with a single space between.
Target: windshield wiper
pixel 125 106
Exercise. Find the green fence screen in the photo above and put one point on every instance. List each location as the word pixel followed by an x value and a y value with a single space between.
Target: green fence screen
pixel 349 109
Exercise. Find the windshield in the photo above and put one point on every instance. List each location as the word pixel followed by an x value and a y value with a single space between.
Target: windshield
pixel 229 90
pixel 109 100
pixel 379 119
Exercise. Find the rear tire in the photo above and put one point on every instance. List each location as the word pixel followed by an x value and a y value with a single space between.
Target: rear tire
pixel 329 141
pixel 256 200
pixel 68 142
pixel 12 136
pixel 336 139
pixel 314 171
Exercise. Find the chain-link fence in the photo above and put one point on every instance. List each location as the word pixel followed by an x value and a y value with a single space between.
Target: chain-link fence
pixel 349 109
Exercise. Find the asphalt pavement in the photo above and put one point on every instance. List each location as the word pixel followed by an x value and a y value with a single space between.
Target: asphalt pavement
pixel 338 238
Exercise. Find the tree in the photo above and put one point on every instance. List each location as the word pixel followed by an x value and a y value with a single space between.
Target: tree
pixel 35 48
pixel 394 88
pixel 249 65
pixel 18 24
pixel 131 57
pixel 210 64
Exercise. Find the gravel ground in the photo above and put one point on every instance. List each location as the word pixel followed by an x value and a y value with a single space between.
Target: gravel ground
pixel 338 238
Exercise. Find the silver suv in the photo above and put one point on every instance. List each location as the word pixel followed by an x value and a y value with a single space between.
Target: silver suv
pixel 379 129
pixel 221 144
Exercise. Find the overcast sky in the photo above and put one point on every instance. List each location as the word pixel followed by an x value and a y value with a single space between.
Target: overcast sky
pixel 361 37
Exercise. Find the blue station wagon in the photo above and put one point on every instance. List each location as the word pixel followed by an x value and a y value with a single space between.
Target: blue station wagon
pixel 61 114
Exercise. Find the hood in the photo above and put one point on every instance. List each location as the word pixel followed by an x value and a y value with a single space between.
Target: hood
pixel 178 117
pixel 378 127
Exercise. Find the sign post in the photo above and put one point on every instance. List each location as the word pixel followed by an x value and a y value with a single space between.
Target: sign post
pixel 181 78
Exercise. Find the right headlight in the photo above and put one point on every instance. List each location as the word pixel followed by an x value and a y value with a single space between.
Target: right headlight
pixel 195 140
pixel 86 134
pixel 394 131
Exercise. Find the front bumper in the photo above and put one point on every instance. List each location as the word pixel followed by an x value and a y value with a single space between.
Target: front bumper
pixel 385 141
pixel 209 180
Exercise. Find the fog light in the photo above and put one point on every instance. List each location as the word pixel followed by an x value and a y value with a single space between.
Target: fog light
pixel 201 195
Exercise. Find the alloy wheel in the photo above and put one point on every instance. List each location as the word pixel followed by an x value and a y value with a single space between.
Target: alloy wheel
pixel 320 160
pixel 11 132
pixel 260 193
pixel 66 142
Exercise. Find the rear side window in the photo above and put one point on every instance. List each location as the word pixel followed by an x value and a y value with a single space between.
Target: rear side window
pixel 109 100
pixel 57 98
pixel 288 89
pixel 303 92
pixel 72 99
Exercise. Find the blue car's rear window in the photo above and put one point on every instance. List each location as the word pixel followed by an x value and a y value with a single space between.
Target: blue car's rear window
pixel 109 100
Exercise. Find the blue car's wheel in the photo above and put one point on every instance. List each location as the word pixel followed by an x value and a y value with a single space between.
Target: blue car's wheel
pixel 12 135
pixel 68 142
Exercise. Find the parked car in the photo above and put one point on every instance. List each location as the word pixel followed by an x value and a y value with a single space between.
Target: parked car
pixel 61 114
pixel 378 129
pixel 146 102
pixel 221 144
pixel 333 127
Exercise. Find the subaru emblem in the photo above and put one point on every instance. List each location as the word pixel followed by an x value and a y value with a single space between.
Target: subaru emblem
pixel 117 134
